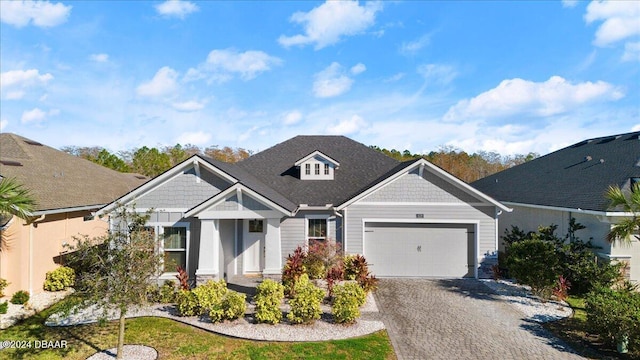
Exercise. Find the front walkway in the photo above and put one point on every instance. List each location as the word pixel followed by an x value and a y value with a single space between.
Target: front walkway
pixel 460 319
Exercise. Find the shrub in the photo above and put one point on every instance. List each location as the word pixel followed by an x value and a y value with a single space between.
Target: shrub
pixel 209 296
pixel 321 256
pixel 561 288
pixel 3 285
pixel 347 301
pixel 335 274
pixel 59 279
pixel 305 305
pixel 234 305
pixel 187 303
pixel 534 263
pixel 293 269
pixel 368 282
pixel 183 278
pixel 165 294
pixel 352 266
pixel 615 314
pixel 4 307
pixel 20 297
pixel 269 295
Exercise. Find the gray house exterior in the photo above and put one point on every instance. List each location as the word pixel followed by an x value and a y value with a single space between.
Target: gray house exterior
pixel 571 183
pixel 409 219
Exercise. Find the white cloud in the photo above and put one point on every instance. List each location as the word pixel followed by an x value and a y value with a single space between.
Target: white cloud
pixel 331 82
pixel 326 24
pixel 221 65
pixel 631 51
pixel 358 69
pixel 292 117
pixel 176 8
pixel 619 20
pixel 3 124
pixel 163 83
pixel 39 13
pixel 37 115
pixel 518 96
pixel 437 73
pixel 15 82
pixel 347 126
pixel 395 77
pixel 195 138
pixel 569 3
pixel 100 58
pixel 635 128
pixel 188 106
pixel 414 46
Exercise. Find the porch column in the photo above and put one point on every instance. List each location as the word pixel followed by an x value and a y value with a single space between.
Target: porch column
pixel 272 249
pixel 208 263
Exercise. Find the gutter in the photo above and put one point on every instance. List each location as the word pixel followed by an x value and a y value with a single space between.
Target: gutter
pixel 578 210
pixel 63 210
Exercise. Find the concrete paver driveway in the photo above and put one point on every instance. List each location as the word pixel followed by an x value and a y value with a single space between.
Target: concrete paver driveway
pixel 460 319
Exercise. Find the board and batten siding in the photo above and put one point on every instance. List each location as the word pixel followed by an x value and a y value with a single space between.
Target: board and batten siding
pixel 183 191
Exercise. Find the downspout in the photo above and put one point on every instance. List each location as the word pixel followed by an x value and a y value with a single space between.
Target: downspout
pixel 32 225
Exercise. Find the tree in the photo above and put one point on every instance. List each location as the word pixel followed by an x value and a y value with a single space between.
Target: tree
pixel 15 200
pixel 114 271
pixel 628 203
pixel 150 162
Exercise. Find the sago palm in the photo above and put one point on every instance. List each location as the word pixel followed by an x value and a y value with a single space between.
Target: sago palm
pixel 629 203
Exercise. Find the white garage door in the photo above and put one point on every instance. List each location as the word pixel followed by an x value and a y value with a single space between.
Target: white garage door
pixel 428 250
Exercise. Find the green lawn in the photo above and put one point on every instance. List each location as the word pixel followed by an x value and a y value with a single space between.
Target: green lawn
pixel 175 340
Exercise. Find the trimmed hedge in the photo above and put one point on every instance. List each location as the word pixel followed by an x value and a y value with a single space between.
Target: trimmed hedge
pixel 615 314
pixel 269 295
pixel 347 301
pixel 59 279
pixel 20 297
pixel 305 305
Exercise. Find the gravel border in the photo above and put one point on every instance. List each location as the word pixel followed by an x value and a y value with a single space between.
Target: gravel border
pixel 36 303
pixel 321 330
pixel 534 308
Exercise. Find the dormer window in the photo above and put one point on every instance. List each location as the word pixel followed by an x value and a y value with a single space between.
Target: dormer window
pixel 323 167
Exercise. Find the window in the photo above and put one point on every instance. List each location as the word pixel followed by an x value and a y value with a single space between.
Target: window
pixel 317 229
pixel 317 169
pixel 326 169
pixel 255 226
pixel 307 169
pixel 175 248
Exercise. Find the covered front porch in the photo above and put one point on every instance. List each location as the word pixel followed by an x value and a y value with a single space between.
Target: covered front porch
pixel 239 235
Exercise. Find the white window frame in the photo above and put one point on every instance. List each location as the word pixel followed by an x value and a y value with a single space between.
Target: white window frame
pixel 307 169
pixel 159 239
pixel 327 169
pixel 306 227
pixel 316 169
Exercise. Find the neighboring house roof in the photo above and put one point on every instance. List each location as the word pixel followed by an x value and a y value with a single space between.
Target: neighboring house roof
pixel 575 177
pixel 359 167
pixel 60 181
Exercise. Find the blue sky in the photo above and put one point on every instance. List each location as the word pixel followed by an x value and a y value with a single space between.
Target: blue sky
pixel 506 76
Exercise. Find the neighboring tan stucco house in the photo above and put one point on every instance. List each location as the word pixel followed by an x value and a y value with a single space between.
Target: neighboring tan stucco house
pixel 408 219
pixel 572 182
pixel 67 189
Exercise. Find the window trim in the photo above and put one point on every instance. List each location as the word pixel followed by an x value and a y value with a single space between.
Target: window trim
pixel 326 169
pixel 159 240
pixel 306 227
pixel 316 169
pixel 307 169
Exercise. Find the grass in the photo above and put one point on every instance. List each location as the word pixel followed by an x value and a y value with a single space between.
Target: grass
pixel 575 331
pixel 175 340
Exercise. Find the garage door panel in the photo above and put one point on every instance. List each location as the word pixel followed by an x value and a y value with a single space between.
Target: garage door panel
pixel 430 250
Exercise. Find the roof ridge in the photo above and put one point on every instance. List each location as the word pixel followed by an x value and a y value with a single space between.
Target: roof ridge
pixel 21 144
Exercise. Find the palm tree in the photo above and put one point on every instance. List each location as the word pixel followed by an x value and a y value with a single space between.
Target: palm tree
pixel 629 226
pixel 15 200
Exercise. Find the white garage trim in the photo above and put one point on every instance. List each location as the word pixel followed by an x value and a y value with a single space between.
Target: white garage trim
pixel 475 223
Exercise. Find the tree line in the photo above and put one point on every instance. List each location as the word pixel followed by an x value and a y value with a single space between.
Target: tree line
pixel 465 166
pixel 155 160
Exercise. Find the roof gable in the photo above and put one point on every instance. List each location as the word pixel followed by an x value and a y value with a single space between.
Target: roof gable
pixel 320 155
pixel 575 177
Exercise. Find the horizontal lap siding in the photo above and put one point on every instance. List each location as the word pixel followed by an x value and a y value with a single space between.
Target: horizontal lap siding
pixel 291 234
pixel 483 214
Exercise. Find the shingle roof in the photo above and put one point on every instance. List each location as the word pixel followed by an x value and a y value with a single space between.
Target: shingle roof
pixel 360 166
pixel 59 180
pixel 575 177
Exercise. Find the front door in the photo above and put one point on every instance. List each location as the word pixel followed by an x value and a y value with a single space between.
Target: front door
pixel 253 240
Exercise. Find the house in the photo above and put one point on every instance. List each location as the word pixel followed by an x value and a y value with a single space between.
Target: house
pixel 67 189
pixel 572 182
pixel 413 219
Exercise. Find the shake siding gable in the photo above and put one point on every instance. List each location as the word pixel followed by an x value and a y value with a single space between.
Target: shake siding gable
pixel 183 191
pixel 413 188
